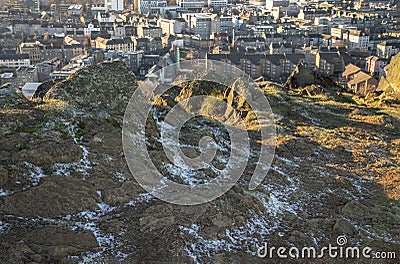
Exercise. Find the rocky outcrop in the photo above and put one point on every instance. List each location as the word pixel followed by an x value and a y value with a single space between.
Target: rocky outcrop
pixel 390 84
pixel 302 76
pixel 54 197
pixel 306 81
pixel 11 97
pixel 42 89
pixel 50 153
pixel 102 90
pixel 57 154
pixel 48 244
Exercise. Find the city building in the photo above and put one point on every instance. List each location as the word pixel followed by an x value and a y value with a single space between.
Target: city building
pixel 190 5
pixel 75 10
pixel 26 74
pixel 14 60
pixel 273 67
pixel 329 63
pixel 375 65
pixel 202 24
pixel 119 44
pixel 387 50
pixel 171 26
pixel 32 49
pixel 148 31
pixel 115 5
pixel 271 4
pixel 357 40
pixel 217 4
pixel 151 6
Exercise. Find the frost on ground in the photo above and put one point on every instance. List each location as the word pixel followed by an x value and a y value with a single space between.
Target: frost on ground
pixel 4 227
pixel 34 174
pixel 31 177
pixel 177 170
pixel 5 192
pixel 120 177
pixel 247 237
pixel 260 223
pixel 82 166
pixel 110 244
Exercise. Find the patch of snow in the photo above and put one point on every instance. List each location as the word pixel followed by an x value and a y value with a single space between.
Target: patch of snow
pixel 120 177
pixel 35 173
pixel 109 158
pixel 187 175
pixel 384 236
pixel 287 161
pixel 5 192
pixel 143 197
pixel 278 170
pixel 82 166
pixel 272 204
pixel 65 169
pixel 256 230
pixel 105 208
pixel 107 242
pixel 4 227
pixel 247 237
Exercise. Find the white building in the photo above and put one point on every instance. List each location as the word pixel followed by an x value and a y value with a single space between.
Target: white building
pixel 117 5
pixel 15 60
pixel 155 6
pixel 75 10
pixel 203 24
pixel 91 28
pixel 218 4
pixel 106 18
pixel 356 40
pixel 171 26
pixel 387 50
pixel 29 89
pixel 190 4
pixel 257 2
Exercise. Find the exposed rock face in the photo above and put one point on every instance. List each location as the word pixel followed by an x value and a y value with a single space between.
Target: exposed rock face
pixel 307 81
pixel 11 96
pixel 56 157
pixel 50 153
pixel 114 81
pixel 62 242
pixel 42 89
pixel 50 244
pixel 66 193
pixel 391 84
pixel 302 76
pixel 52 198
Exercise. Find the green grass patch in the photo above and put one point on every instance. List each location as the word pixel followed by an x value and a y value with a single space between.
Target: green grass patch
pixel 30 129
pixel 113 122
pixel 80 130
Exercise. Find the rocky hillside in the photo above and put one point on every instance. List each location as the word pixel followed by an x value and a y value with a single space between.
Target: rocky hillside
pixel 67 195
pixel 391 84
